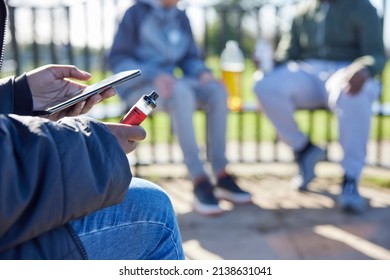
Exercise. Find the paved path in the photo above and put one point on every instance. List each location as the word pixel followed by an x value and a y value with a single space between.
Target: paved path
pixel 281 224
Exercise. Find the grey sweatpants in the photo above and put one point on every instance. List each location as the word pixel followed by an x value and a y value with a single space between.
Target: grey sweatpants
pixel 315 84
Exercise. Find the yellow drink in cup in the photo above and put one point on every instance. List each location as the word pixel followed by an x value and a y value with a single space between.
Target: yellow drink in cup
pixel 233 83
pixel 232 65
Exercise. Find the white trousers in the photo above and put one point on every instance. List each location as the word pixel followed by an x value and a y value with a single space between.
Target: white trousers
pixel 316 84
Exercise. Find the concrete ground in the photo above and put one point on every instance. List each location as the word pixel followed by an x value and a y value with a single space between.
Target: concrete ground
pixel 280 224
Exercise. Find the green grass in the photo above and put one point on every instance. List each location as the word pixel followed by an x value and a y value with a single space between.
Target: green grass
pixel 386 83
pixel 376 182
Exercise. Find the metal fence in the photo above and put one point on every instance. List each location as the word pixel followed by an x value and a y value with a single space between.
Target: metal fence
pixel 81 34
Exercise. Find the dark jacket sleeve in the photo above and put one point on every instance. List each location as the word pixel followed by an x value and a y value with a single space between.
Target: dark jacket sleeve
pixel 192 63
pixel 15 96
pixel 122 55
pixel 372 50
pixel 288 47
pixel 51 173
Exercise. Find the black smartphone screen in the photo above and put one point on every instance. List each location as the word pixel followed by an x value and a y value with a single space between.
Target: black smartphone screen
pixel 96 88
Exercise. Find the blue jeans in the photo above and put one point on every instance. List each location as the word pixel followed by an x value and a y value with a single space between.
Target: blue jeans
pixel 143 226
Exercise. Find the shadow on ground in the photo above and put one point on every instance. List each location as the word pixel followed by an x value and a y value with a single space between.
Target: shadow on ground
pixel 283 224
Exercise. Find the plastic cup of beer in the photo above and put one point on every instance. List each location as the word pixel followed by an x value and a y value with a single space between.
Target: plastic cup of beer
pixel 232 79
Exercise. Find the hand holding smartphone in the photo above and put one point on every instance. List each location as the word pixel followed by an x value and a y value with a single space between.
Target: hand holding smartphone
pixel 91 90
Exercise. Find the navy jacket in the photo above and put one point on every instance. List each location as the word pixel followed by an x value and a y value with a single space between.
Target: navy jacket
pixel 51 173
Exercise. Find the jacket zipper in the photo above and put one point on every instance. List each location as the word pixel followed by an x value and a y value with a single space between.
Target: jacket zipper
pixel 4 26
pixel 76 239
pixel 320 38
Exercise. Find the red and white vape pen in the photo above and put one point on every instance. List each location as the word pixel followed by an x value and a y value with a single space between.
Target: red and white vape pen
pixel 141 109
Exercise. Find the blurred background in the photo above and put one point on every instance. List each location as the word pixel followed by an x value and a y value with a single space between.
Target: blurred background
pixel 80 32
pixel 56 26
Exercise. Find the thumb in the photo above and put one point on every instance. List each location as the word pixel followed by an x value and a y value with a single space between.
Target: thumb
pixel 69 71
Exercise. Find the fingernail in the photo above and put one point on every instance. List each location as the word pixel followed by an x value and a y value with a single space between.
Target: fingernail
pixel 97 101
pixel 81 104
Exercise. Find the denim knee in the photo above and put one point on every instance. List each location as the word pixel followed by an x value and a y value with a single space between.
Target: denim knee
pixel 150 201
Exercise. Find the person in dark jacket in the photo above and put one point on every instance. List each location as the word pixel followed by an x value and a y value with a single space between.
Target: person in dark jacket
pixel 330 58
pixel 66 189
pixel 156 37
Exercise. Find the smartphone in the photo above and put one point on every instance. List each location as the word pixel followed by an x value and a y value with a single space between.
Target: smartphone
pixel 87 92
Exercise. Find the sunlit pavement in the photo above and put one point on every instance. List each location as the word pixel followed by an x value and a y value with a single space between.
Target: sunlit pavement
pixel 281 223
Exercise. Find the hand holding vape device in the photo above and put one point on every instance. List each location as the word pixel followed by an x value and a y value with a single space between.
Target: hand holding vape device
pixel 141 109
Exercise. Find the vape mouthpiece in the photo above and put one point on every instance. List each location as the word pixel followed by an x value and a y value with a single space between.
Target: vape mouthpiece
pixel 153 95
pixel 150 99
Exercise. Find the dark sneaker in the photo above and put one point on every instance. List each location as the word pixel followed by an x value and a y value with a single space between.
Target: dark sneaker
pixel 350 200
pixel 228 189
pixel 205 202
pixel 306 160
